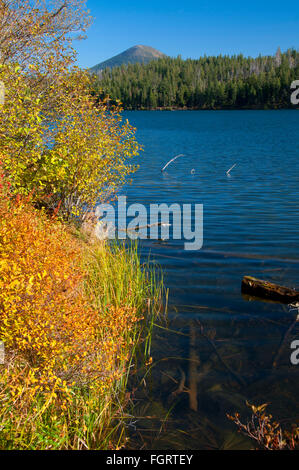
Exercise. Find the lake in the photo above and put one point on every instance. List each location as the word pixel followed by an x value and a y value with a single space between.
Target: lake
pixel 220 348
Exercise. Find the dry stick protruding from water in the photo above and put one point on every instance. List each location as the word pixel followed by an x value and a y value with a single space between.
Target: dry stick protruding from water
pixel 228 171
pixel 172 160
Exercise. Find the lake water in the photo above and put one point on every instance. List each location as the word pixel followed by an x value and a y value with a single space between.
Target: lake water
pixel 223 347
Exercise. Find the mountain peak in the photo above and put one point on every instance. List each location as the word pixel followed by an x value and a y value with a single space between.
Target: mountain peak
pixel 136 54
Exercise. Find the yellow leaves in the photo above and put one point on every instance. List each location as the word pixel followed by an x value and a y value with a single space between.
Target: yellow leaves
pixel 84 153
pixel 42 275
pixel 14 284
pixel 149 361
pixel 30 285
pixel 257 409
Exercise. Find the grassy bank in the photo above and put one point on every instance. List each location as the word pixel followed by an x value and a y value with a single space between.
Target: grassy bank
pixel 75 319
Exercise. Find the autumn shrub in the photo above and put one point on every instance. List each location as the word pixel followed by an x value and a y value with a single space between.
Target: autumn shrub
pixel 59 142
pixel 265 432
pixel 67 349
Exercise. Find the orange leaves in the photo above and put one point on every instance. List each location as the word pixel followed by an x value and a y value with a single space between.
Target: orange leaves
pixel 56 341
pixel 266 433
pixel 69 318
pixel 45 318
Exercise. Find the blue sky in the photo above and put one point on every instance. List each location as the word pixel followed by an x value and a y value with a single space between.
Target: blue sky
pixel 189 28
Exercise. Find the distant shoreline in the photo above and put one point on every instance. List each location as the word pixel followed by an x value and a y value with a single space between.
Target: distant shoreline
pixel 214 109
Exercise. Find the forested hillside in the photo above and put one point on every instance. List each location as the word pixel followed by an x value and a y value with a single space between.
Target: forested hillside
pixel 221 82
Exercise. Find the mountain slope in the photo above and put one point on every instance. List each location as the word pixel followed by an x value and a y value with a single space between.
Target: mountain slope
pixel 141 54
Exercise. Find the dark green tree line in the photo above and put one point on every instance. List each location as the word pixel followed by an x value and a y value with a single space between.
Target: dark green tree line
pixel 221 82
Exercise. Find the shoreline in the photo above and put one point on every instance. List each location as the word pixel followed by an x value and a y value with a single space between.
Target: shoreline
pixel 213 109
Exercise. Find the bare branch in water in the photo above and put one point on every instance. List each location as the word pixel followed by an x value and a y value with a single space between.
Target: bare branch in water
pixel 172 160
pixel 228 171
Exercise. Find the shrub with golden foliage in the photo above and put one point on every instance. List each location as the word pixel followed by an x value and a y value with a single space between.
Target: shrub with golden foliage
pixel 56 139
pixel 55 341
pixel 59 142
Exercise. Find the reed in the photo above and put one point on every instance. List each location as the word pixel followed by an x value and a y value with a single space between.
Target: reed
pixel 117 277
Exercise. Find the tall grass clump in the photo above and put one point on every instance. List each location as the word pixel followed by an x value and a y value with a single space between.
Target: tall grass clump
pixel 72 317
pixel 116 277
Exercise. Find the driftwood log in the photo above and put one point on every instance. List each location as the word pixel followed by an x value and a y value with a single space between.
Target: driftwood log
pixel 268 290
